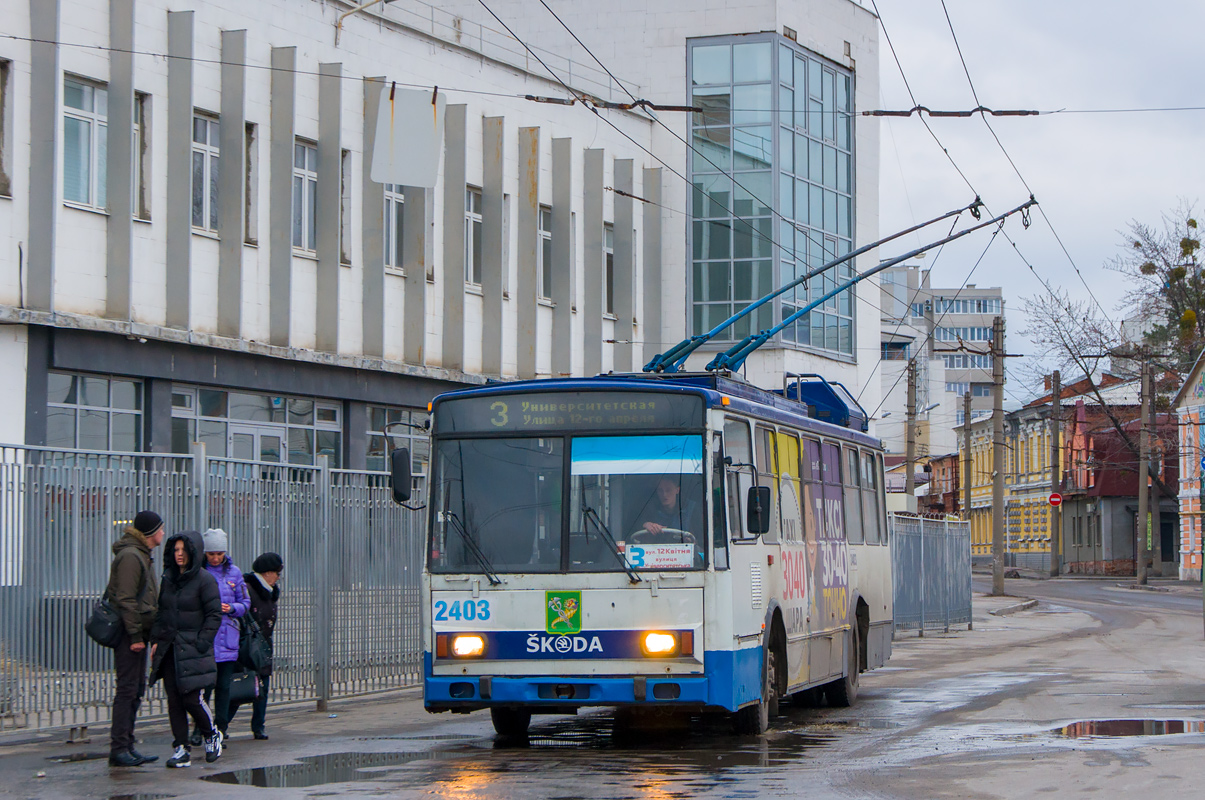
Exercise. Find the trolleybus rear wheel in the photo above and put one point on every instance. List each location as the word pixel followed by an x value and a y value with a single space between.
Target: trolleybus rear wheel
pixel 844 691
pixel 510 723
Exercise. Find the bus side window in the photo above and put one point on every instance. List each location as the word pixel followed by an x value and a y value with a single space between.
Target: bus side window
pixel 719 530
pixel 853 499
pixel 871 517
pixel 767 467
pixel 878 473
pixel 834 517
pixel 813 492
pixel 739 478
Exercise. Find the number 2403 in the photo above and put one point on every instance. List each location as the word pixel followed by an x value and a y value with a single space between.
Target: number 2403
pixel 468 609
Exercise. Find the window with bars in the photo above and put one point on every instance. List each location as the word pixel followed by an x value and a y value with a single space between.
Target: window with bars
pixel 93 412
pixel 305 195
pixel 205 154
pixel 395 206
pixel 472 236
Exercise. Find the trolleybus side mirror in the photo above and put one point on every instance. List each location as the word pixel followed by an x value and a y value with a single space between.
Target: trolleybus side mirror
pixel 758 510
pixel 399 474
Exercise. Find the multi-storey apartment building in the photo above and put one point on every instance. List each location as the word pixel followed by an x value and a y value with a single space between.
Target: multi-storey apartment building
pixel 192 248
pixel 947 332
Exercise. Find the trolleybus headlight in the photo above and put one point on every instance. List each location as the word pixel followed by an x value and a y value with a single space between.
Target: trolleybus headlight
pixel 469 646
pixel 656 643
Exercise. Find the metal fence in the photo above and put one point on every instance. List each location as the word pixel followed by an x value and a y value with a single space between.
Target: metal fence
pixel 348 613
pixel 931 572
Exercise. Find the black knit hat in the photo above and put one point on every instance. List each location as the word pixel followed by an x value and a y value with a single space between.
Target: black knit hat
pixel 147 522
pixel 267 562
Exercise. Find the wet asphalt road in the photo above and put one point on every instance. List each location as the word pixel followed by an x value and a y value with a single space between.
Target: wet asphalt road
pixel 993 712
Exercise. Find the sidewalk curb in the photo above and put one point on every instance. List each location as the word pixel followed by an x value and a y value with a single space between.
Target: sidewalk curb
pixel 1004 612
pixel 1145 588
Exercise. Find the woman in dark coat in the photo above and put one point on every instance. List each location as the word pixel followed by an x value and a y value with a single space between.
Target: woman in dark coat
pixel 190 611
pixel 263 588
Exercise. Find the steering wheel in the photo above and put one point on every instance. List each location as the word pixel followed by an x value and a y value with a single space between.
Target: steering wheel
pixel 639 535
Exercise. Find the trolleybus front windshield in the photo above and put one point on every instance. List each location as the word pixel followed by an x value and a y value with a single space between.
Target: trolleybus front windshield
pixel 635 501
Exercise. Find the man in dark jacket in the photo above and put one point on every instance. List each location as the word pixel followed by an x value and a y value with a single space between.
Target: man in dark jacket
pixel 265 593
pixel 190 612
pixel 133 592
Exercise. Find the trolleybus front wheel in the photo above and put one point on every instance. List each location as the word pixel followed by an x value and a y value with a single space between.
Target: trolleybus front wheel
pixel 510 723
pixel 754 720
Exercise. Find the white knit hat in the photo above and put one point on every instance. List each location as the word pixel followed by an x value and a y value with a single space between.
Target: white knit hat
pixel 216 540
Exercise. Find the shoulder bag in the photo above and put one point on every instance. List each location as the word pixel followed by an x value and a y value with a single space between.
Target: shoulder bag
pixel 104 626
pixel 254 649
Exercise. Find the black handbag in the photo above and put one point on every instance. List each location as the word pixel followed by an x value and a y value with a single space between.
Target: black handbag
pixel 244 688
pixel 104 626
pixel 254 649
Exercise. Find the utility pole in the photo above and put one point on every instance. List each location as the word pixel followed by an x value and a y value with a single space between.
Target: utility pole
pixel 966 466
pixel 910 435
pixel 1056 512
pixel 1156 469
pixel 998 456
pixel 1143 459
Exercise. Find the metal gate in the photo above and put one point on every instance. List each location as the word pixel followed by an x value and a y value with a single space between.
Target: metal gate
pixel 348 613
pixel 930 572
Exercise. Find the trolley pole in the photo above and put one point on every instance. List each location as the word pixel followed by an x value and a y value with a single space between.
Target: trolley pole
pixel 966 465
pixel 998 456
pixel 1143 459
pixel 910 434
pixel 1056 512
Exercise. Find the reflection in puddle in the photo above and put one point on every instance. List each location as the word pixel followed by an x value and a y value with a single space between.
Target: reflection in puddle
pixel 73 757
pixel 700 749
pixel 1093 728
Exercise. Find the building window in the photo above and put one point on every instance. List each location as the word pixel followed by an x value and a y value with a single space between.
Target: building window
pixel 305 195
pixel 395 202
pixel 85 137
pixel 744 88
pixel 6 132
pixel 251 188
pixel 472 236
pixel 345 184
pixel 256 427
pixel 544 254
pixel 966 361
pixel 969 305
pixel 406 428
pixel 964 334
pixel 958 387
pixel 93 412
pixel 981 390
pixel 894 351
pixel 205 154
pixel 608 268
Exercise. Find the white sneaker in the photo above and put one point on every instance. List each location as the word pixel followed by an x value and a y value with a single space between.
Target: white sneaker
pixel 213 747
pixel 180 758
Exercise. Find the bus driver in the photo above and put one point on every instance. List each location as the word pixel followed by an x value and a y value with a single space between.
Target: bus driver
pixel 669 510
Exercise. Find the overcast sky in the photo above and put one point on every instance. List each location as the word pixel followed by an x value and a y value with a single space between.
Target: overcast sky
pixel 1092 173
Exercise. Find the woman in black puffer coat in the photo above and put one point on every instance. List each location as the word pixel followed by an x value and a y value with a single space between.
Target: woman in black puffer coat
pixel 190 612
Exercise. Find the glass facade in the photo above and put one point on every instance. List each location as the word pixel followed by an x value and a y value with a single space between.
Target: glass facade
pixel 779 121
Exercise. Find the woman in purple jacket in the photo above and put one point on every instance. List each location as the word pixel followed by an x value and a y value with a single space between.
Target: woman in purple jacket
pixel 235 602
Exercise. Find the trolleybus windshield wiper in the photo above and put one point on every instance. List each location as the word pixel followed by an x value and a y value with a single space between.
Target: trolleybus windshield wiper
pixel 473 548
pixel 590 514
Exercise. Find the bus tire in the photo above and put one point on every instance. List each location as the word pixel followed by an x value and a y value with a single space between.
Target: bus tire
pixel 843 692
pixel 510 723
pixel 754 719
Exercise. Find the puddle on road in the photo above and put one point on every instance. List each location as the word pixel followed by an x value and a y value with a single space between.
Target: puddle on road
pixel 73 757
pixel 684 750
pixel 1114 728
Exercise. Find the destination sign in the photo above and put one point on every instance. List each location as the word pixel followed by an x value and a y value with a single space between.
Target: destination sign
pixel 569 411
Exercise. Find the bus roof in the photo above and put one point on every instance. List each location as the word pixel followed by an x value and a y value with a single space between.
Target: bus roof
pixel 712 387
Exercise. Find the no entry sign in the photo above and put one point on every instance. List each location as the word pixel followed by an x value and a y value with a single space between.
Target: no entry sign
pixel 1055 499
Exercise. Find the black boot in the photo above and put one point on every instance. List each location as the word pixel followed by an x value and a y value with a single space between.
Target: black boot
pixel 124 758
pixel 145 759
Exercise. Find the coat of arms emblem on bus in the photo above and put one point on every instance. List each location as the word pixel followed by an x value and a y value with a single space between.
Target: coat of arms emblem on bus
pixel 563 612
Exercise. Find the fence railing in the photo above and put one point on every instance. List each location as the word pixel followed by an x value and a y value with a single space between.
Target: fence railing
pixel 348 613
pixel 930 572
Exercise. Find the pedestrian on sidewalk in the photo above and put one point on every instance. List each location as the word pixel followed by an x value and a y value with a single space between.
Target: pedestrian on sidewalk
pixel 264 593
pixel 133 592
pixel 190 613
pixel 235 603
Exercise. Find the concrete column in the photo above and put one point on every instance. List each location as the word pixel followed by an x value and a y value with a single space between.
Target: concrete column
pixel 453 236
pixel 178 219
pixel 280 194
pixel 46 84
pixel 651 333
pixel 493 244
pixel 372 231
pixel 157 415
pixel 37 362
pixel 528 213
pixel 564 265
pixel 416 257
pixel 625 267
pixel 595 260
pixel 232 184
pixel 119 161
pixel 329 206
pixel 355 427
